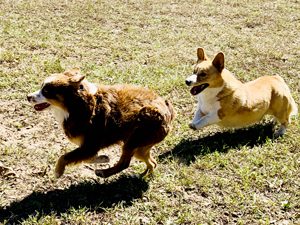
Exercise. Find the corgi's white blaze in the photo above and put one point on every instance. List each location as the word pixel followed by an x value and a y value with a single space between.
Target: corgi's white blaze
pixel 192 79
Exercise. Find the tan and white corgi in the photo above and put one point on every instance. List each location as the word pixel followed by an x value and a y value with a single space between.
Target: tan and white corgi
pixel 97 116
pixel 226 101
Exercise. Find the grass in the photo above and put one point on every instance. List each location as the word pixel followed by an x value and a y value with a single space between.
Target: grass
pixel 212 176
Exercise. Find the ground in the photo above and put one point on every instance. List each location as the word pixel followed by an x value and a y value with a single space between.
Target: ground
pixel 211 176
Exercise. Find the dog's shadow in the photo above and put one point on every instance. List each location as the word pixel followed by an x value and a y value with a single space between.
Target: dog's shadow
pixel 188 149
pixel 89 194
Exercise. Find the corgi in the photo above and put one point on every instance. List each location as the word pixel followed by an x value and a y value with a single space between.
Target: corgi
pixel 95 117
pixel 226 101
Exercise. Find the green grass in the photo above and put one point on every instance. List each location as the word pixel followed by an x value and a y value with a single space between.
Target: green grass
pixel 212 176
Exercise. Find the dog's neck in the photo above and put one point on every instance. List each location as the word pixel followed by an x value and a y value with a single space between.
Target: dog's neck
pixel 230 81
pixel 60 114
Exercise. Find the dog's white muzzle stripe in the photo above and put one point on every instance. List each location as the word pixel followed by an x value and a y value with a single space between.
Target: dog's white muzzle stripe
pixel 36 97
pixel 191 80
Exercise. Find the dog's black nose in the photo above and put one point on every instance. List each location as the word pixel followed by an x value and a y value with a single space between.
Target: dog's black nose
pixel 29 98
pixel 188 82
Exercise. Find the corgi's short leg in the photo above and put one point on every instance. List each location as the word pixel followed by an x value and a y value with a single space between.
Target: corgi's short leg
pixel 208 119
pixel 197 117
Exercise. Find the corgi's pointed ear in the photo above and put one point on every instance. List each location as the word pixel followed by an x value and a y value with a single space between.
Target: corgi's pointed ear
pixel 218 61
pixel 201 54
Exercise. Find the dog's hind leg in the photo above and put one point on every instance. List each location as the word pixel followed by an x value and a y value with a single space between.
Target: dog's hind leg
pixel 123 163
pixel 282 113
pixel 144 154
pixel 78 155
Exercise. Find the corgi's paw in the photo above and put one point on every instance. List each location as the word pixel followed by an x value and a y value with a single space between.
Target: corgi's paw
pixel 280 132
pixel 192 126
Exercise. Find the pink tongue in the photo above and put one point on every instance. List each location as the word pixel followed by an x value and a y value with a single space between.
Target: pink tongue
pixel 197 89
pixel 41 106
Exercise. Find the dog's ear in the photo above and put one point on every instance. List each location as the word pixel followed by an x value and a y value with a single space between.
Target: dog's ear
pixel 76 78
pixel 218 61
pixel 74 75
pixel 72 72
pixel 201 54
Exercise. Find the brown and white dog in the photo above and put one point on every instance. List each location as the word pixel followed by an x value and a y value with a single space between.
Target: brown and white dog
pixel 95 117
pixel 226 101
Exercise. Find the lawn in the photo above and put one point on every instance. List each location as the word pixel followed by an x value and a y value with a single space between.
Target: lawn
pixel 211 176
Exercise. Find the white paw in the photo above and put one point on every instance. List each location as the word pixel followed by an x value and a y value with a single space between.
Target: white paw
pixel 192 126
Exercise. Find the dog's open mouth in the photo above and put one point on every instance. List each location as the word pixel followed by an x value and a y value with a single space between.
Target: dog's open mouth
pixel 41 106
pixel 197 89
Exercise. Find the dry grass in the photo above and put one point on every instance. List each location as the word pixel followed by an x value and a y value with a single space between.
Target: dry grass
pixel 212 176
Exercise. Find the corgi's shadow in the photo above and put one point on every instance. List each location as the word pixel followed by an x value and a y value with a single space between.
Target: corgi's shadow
pixel 89 194
pixel 188 149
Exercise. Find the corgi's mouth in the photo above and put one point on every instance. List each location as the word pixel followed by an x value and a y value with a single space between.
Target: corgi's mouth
pixel 197 89
pixel 41 106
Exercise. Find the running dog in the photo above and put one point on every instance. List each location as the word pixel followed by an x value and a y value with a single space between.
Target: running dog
pixel 94 117
pixel 226 101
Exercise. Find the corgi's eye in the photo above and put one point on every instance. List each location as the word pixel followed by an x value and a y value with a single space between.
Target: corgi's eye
pixel 81 87
pixel 202 74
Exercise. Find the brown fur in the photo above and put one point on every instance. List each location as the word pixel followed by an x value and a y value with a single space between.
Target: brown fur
pixel 228 102
pixel 134 117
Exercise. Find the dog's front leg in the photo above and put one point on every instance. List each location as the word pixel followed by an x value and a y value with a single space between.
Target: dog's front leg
pixel 197 117
pixel 83 153
pixel 206 120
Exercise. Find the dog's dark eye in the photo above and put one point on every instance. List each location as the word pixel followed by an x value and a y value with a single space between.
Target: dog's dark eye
pixel 202 74
pixel 81 87
pixel 48 92
pixel 45 91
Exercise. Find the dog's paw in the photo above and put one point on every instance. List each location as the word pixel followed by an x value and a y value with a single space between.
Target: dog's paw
pixel 100 159
pixel 192 126
pixel 60 168
pixel 101 173
pixel 59 172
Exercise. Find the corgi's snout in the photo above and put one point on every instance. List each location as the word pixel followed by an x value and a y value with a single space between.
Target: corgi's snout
pixel 188 82
pixel 29 98
pixel 191 80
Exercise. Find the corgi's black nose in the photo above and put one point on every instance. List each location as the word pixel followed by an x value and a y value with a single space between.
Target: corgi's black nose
pixel 188 82
pixel 29 98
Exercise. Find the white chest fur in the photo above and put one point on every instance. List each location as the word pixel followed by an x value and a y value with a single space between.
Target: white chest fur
pixel 208 100
pixel 60 114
